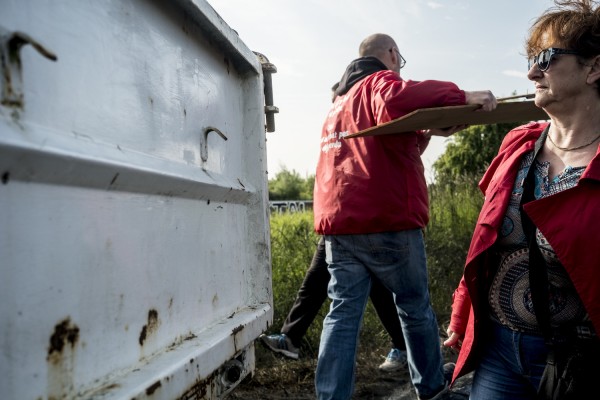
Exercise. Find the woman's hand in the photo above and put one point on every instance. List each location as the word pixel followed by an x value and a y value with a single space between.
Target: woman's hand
pixel 454 340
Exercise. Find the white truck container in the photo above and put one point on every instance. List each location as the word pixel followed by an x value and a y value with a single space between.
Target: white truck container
pixel 134 227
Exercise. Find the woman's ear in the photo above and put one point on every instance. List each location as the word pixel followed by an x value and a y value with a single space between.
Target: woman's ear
pixel 594 74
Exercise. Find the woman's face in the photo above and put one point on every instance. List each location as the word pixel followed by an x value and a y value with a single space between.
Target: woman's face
pixel 564 79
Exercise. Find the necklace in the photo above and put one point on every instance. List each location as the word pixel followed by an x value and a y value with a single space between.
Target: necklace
pixel 572 148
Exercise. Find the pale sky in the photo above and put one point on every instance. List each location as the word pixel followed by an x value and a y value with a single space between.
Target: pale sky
pixel 477 44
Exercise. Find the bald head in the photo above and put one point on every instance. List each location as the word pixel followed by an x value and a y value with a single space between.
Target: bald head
pixel 384 48
pixel 376 45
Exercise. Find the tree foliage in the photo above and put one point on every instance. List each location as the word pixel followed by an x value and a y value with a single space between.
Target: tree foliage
pixel 470 152
pixel 289 185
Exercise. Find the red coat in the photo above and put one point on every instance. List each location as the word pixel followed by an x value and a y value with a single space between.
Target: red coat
pixel 569 221
pixel 375 184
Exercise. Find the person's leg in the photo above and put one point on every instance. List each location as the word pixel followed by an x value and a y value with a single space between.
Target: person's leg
pixel 310 297
pixel 511 366
pixel 398 260
pixel 348 289
pixel 383 302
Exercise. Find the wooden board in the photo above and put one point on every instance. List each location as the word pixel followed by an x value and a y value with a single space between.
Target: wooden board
pixel 444 117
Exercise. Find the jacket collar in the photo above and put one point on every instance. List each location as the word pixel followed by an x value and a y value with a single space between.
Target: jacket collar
pixel 357 70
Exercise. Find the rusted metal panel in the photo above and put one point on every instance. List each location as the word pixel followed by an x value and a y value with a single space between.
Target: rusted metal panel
pixel 134 247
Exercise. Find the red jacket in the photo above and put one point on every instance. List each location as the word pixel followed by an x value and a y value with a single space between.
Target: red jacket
pixel 375 184
pixel 569 221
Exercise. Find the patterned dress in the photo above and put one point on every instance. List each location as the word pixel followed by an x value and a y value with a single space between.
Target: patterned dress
pixel 510 293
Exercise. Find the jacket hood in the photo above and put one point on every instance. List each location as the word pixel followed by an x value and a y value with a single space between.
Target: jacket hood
pixel 357 70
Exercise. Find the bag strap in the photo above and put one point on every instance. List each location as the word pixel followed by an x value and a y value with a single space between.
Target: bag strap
pixel 538 271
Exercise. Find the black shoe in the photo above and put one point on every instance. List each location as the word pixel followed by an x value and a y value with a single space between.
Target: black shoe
pixel 448 372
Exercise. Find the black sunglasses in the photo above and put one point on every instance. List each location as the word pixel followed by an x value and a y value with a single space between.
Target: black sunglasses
pixel 544 57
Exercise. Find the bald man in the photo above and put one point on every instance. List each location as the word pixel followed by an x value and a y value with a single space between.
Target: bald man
pixel 371 205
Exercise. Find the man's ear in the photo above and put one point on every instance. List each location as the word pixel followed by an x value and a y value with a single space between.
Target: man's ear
pixel 594 74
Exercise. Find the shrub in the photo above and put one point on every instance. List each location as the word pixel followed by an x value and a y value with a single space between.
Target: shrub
pixel 454 208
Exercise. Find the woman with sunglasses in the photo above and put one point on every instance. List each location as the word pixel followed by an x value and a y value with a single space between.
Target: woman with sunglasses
pixel 530 294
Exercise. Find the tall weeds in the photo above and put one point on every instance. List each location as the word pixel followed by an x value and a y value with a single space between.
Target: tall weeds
pixel 454 208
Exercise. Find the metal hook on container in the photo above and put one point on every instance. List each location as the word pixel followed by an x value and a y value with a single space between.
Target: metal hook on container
pixel 204 146
pixel 10 64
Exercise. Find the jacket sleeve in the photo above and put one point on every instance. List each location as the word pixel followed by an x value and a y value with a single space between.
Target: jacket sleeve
pixel 393 97
pixel 520 136
pixel 461 306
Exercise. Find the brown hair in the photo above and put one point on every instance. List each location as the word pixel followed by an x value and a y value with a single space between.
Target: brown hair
pixel 572 24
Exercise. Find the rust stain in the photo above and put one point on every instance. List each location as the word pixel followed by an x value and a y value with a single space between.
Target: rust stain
pixel 200 389
pixel 61 360
pixel 64 333
pixel 237 329
pixel 150 327
pixel 153 388
pixel 190 337
pixel 234 333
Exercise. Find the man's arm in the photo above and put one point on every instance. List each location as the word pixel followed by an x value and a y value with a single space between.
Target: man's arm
pixel 484 98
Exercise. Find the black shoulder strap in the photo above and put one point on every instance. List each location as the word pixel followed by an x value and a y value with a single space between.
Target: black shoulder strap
pixel 538 271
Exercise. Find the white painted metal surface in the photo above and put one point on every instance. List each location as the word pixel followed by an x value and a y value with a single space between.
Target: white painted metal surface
pixel 134 238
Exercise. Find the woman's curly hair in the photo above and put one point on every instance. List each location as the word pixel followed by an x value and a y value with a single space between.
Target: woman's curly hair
pixel 570 24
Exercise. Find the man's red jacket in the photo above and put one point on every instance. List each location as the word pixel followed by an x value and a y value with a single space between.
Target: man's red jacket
pixel 569 220
pixel 375 184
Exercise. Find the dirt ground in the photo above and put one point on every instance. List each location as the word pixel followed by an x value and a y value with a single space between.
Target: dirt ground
pixel 278 378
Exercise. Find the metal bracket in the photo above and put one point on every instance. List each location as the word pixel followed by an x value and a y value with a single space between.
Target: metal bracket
pixel 10 65
pixel 270 109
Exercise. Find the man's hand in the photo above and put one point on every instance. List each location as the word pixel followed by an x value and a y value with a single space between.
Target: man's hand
pixel 484 98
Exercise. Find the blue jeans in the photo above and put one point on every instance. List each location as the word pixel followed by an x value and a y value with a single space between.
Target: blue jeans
pixel 398 260
pixel 511 367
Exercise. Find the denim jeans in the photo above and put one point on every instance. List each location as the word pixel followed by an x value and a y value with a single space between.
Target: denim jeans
pixel 511 366
pixel 312 295
pixel 397 259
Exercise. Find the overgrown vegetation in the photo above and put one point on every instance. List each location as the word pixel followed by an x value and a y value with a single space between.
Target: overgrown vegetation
pixel 454 207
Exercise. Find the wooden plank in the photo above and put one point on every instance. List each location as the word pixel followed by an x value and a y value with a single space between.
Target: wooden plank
pixel 444 117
